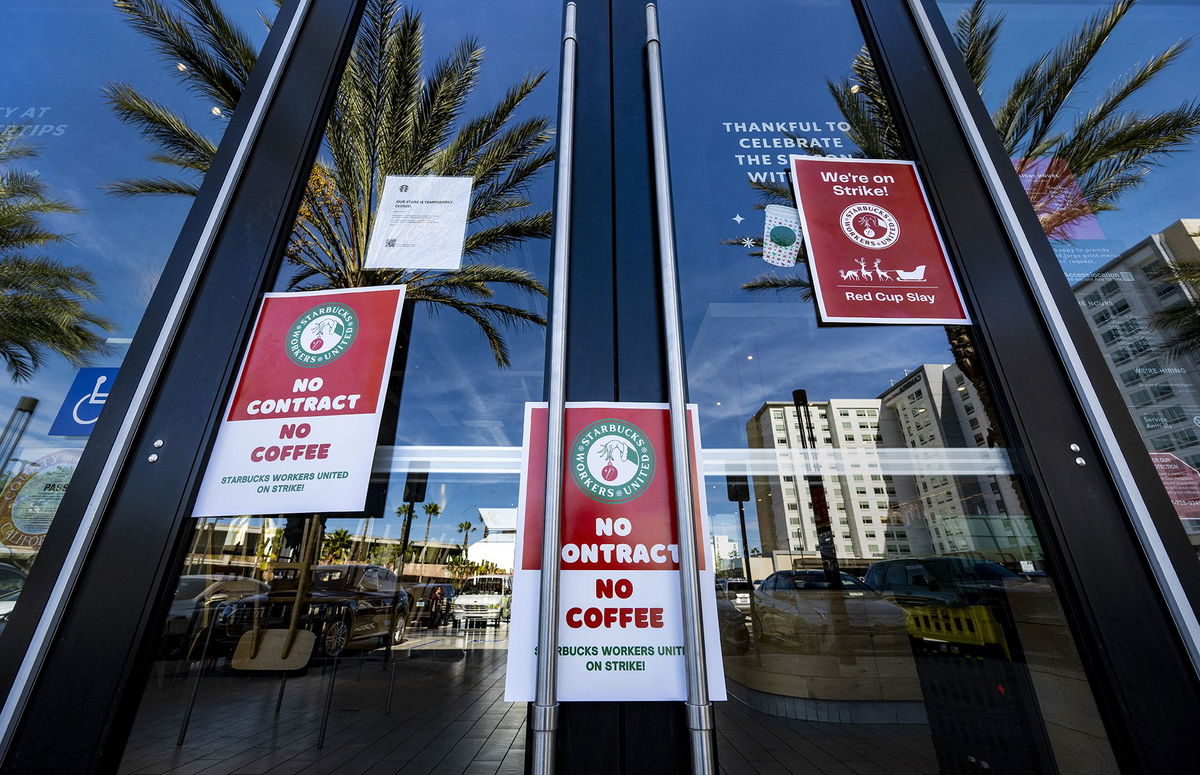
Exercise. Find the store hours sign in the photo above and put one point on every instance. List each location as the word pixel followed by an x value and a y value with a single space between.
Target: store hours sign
pixel 874 251
pixel 298 434
pixel 620 630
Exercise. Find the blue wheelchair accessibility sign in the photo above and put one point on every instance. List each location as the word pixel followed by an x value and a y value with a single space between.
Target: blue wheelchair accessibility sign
pixel 81 408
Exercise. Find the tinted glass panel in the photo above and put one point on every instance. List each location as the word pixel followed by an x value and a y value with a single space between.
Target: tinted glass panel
pixel 871 452
pixel 370 634
pixel 84 233
pixel 1108 168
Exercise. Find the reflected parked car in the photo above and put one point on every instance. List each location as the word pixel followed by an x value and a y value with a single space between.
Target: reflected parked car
pixel 801 610
pixel 962 600
pixel 12 581
pixel 193 609
pixel 433 604
pixel 731 623
pixel 483 599
pixel 346 606
pixel 738 592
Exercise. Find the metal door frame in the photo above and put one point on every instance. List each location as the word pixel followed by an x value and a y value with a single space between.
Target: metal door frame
pixel 87 652
pixel 79 637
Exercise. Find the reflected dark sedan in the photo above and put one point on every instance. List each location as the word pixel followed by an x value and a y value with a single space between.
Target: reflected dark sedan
pixel 196 599
pixel 801 610
pixel 345 606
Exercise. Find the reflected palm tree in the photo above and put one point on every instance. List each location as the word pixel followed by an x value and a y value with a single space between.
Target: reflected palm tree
pixel 431 510
pixel 1181 321
pixel 389 118
pixel 466 527
pixel 42 302
pixel 338 544
pixel 1081 165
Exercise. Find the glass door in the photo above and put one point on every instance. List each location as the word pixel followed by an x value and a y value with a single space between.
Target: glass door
pixel 377 638
pixel 903 514
pixel 887 597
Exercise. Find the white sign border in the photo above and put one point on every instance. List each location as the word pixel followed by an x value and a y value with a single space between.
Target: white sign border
pixel 377 416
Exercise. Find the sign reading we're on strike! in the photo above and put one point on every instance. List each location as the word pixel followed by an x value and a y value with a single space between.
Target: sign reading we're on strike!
pixel 620 627
pixel 298 434
pixel 874 252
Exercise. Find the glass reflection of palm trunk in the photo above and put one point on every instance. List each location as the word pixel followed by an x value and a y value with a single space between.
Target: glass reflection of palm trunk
pixel 14 430
pixel 843 645
pixel 816 489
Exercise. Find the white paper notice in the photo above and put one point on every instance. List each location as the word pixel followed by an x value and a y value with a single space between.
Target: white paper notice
pixel 421 223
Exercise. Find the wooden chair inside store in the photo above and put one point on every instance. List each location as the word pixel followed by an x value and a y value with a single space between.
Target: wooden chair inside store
pixel 262 648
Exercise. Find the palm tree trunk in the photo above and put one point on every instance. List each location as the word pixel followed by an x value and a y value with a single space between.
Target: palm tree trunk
pixel 424 545
pixel 390 416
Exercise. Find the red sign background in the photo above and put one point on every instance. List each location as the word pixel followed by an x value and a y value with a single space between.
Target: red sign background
pixel 652 514
pixel 874 252
pixel 270 374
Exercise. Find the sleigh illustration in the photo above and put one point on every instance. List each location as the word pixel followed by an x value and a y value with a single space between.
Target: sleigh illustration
pixel 916 275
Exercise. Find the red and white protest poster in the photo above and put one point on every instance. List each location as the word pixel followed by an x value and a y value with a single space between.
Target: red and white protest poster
pixel 1182 483
pixel 874 253
pixel 299 432
pixel 620 627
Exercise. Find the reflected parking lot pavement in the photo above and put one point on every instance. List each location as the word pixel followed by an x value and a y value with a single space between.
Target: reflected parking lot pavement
pixel 447 712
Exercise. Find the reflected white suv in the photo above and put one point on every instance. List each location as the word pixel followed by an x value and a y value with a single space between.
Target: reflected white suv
pixel 483 599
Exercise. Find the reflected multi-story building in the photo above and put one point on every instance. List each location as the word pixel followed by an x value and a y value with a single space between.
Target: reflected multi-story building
pixel 1119 301
pixel 860 504
pixel 937 407
pixel 874 511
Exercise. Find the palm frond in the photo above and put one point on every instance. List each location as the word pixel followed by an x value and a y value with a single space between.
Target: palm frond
pixel 1182 324
pixel 1042 90
pixel 509 234
pixel 185 147
pixel 204 70
pixel 388 118
pixel 42 310
pixel 783 283
pixel 152 186
pixel 975 35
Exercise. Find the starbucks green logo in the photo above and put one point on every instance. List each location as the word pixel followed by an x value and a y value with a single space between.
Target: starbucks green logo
pixel 612 461
pixel 322 335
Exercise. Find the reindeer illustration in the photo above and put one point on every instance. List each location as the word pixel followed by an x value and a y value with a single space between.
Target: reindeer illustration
pixel 884 274
pixel 866 273
pixel 851 275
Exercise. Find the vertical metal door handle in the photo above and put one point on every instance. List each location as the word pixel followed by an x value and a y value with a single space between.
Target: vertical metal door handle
pixel 544 719
pixel 699 708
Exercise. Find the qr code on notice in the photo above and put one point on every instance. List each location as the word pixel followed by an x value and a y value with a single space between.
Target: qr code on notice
pixel 390 243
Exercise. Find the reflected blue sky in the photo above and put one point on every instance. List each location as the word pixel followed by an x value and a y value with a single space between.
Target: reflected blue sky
pixel 744 349
pixel 1032 27
pixel 56 59
pixel 720 69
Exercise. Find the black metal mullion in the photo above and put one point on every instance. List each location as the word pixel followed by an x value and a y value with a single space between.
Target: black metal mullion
pixel 97 665
pixel 1125 636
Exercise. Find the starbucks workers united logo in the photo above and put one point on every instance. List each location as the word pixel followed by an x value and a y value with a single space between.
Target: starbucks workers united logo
pixel 612 461
pixel 322 335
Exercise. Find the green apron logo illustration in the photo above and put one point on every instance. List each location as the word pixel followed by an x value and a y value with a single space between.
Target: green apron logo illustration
pixel 612 461
pixel 322 335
